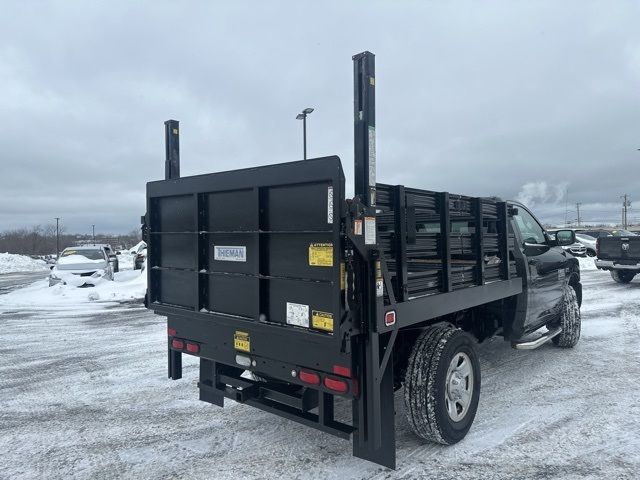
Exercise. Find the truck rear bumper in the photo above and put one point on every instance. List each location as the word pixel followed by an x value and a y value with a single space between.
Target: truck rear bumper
pixel 612 265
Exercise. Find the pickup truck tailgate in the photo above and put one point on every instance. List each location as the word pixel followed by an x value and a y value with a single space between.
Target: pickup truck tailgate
pixel 619 248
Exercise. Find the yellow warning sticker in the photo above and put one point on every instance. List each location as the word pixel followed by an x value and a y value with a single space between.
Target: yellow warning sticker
pixel 321 254
pixel 343 279
pixel 322 320
pixel 241 341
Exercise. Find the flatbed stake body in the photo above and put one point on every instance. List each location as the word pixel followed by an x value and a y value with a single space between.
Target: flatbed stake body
pixel 271 271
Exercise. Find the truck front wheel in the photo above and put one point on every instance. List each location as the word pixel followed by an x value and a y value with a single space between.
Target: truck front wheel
pixel 570 321
pixel 442 385
pixel 622 276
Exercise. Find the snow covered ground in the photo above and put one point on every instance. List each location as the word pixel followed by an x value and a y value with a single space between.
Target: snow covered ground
pixel 128 285
pixel 84 394
pixel 11 262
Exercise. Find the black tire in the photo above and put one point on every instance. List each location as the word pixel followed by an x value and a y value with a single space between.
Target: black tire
pixel 426 393
pixel 591 253
pixel 570 321
pixel 622 276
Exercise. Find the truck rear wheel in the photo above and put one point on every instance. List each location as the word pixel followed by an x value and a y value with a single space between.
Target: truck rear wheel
pixel 570 321
pixel 442 385
pixel 622 276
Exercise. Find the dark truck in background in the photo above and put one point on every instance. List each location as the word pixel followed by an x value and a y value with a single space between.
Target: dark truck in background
pixel 328 300
pixel 620 255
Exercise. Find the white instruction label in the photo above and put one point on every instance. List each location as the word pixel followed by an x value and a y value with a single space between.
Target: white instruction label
pixel 330 204
pixel 372 157
pixel 227 253
pixel 369 230
pixel 298 314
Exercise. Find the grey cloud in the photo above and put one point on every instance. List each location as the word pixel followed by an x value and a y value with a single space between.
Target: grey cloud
pixel 474 98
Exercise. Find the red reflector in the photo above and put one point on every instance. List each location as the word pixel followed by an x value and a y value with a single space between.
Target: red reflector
pixel 340 370
pixel 336 385
pixel 193 347
pixel 390 318
pixel 171 331
pixel 309 377
pixel 178 344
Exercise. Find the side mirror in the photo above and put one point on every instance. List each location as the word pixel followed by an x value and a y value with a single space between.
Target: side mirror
pixel 565 237
pixel 533 249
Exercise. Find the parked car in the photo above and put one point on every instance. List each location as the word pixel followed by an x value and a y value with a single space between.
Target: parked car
pixel 623 233
pixel 138 261
pixel 589 242
pixel 595 233
pixel 113 259
pixel 82 266
pixel 138 248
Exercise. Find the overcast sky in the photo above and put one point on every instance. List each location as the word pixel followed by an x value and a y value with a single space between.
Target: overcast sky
pixel 526 100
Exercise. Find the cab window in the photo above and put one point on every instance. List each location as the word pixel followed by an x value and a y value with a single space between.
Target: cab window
pixel 530 229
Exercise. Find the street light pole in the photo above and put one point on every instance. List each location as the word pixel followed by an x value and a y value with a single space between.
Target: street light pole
pixel 303 116
pixel 57 237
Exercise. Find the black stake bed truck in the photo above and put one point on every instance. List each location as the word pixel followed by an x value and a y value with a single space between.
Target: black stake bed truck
pixel 271 270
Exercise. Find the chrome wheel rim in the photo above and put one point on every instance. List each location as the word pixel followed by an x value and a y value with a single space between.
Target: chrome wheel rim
pixel 459 389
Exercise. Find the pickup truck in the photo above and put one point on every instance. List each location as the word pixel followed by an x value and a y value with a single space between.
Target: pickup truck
pixel 317 308
pixel 620 255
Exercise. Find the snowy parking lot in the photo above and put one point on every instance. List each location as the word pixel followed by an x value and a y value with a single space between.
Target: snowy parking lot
pixel 84 394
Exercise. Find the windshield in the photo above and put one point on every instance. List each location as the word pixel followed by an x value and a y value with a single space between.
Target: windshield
pixel 623 233
pixel 91 254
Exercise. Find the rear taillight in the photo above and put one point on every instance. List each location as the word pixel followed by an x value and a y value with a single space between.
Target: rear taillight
pixel 336 384
pixel 171 332
pixel 193 347
pixel 343 371
pixel 309 377
pixel 390 318
pixel 177 344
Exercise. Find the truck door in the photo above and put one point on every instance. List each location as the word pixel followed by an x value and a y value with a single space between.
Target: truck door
pixel 545 269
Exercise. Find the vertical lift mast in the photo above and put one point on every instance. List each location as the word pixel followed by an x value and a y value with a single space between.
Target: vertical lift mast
pixel 373 411
pixel 172 171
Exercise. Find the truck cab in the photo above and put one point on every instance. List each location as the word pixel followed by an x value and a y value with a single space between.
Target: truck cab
pixel 544 267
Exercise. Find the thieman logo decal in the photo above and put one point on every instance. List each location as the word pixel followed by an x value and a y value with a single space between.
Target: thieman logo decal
pixel 227 253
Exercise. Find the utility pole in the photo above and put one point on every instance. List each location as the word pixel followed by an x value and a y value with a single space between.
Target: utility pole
pixel 93 229
pixel 578 209
pixel 57 237
pixel 626 203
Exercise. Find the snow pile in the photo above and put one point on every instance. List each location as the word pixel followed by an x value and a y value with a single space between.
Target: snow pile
pixel 125 260
pixel 129 285
pixel 11 262
pixel 139 246
pixel 587 263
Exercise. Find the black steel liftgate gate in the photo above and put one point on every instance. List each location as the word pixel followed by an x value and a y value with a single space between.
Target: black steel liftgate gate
pixel 364 299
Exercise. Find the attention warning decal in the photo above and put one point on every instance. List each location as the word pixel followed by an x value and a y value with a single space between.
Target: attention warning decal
pixel 322 320
pixel 321 254
pixel 241 341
